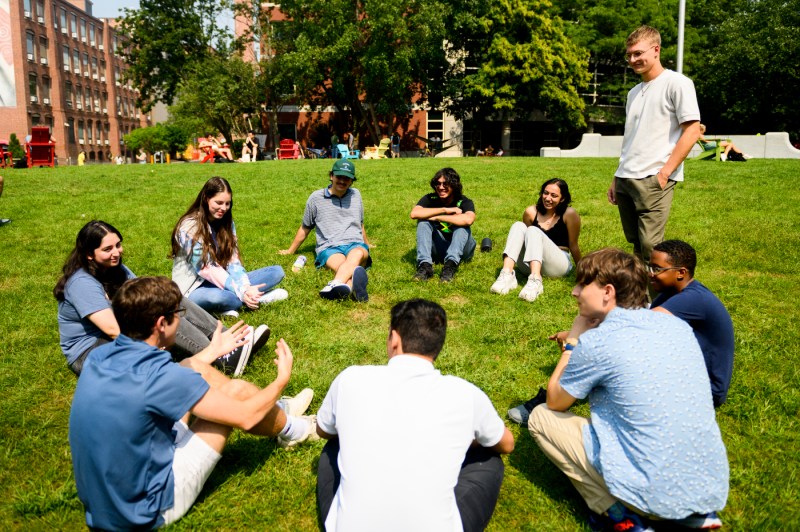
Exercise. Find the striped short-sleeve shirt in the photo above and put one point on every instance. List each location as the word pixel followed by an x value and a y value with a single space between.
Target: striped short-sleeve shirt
pixel 336 220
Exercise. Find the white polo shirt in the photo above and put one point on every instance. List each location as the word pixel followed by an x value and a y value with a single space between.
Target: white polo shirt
pixel 404 429
pixel 654 113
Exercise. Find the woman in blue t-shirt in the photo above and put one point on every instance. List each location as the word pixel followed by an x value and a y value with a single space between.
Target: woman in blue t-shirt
pixel 91 276
pixel 542 242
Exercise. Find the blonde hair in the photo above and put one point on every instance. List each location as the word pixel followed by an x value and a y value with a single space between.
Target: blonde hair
pixel 643 33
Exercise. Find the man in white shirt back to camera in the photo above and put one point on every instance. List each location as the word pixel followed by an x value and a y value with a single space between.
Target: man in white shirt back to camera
pixel 410 448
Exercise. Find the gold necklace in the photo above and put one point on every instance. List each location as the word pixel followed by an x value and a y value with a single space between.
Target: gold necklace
pixel 548 222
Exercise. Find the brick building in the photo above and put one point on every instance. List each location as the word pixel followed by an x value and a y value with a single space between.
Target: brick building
pixel 58 68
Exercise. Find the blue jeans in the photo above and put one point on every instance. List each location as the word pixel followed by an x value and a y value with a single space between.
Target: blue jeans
pixel 214 299
pixel 433 245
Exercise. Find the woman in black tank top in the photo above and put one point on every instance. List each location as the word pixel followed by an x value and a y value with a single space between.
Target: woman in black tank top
pixel 542 242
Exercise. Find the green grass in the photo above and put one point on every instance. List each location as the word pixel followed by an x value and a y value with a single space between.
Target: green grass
pixel 741 218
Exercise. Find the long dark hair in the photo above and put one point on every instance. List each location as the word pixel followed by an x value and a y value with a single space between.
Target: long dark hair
pixel 452 179
pixel 566 197
pixel 226 247
pixel 89 239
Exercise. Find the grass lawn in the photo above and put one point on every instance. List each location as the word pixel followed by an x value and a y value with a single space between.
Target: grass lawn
pixel 743 220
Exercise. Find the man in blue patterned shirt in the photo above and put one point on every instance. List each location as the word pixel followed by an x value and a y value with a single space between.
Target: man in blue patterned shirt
pixel 652 448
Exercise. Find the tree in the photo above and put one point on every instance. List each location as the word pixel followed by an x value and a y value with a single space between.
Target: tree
pixel 15 147
pixel 749 73
pixel 216 93
pixel 148 139
pixel 511 57
pixel 163 38
pixel 368 58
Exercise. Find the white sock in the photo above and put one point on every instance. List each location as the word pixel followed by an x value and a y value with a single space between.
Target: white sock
pixel 295 428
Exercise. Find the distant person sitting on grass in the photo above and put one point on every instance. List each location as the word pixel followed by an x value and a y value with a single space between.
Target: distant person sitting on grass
pixel 444 218
pixel 206 259
pixel 250 147
pixel 217 147
pixel 671 268
pixel 138 464
pixel 410 449
pixel 337 215
pixel 652 448
pixel 542 242
pixel 726 145
pixel 91 277
pixel 3 221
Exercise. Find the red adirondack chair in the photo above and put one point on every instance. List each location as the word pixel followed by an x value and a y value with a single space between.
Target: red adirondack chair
pixel 40 150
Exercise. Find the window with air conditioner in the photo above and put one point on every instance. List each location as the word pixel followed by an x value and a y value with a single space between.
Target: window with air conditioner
pixel 46 101
pixel 43 60
pixel 34 99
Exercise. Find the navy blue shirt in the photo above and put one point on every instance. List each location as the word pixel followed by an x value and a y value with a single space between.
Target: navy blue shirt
pixel 128 397
pixel 712 327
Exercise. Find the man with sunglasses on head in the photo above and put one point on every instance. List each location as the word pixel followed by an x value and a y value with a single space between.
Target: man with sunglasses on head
pixel 671 269
pixel 662 123
pixel 443 219
pixel 138 462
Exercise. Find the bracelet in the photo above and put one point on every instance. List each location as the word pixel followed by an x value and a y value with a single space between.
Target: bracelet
pixel 570 344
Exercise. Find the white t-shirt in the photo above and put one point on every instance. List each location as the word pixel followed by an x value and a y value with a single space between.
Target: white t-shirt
pixel 404 429
pixel 654 113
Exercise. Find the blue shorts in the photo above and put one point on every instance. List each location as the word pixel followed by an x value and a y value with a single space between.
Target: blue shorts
pixel 344 249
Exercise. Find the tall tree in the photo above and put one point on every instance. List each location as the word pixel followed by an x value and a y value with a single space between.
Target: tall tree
pixel 369 58
pixel 163 38
pixel 511 57
pixel 217 93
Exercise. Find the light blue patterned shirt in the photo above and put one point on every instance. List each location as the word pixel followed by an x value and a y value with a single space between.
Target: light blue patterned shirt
pixel 653 436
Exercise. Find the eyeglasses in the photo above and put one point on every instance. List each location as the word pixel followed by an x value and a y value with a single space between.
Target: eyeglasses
pixel 441 184
pixel 656 270
pixel 179 312
pixel 637 54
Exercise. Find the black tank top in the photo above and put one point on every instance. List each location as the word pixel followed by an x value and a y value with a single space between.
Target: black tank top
pixel 558 233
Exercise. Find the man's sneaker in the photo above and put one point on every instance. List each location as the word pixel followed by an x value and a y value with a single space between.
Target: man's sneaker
pixel 506 282
pixel 708 521
pixel 424 272
pixel 532 289
pixel 278 294
pixel 297 405
pixel 630 522
pixel 4 221
pixel 520 414
pixel 723 157
pixel 335 290
pixel 230 314
pixel 448 272
pixel 235 361
pixel 310 435
pixel 260 337
pixel 745 156
pixel 360 281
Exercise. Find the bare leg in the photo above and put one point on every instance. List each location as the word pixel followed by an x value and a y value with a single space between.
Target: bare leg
pixel 508 263
pixel 343 266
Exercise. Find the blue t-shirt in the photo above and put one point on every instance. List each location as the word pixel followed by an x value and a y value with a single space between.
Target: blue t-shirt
pixel 713 328
pixel 83 296
pixel 120 432
pixel 653 436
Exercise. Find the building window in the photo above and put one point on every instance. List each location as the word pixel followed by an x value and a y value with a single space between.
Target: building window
pixel 100 38
pixel 71 130
pixel 90 132
pixel 43 49
pixel 88 98
pixel 27 7
pixel 85 64
pixel 104 102
pixel 92 35
pixel 436 124
pixel 80 132
pixel 30 44
pixel 73 25
pixel 68 94
pixel 94 68
pixel 79 97
pixel 46 91
pixel 76 61
pixel 33 87
pixel 63 17
pixel 83 30
pixel 65 56
pixel 40 11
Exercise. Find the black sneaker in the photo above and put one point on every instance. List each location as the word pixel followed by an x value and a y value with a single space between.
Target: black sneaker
pixel 424 272
pixel 448 272
pixel 360 281
pixel 520 414
pixel 4 221
pixel 235 361
pixel 260 337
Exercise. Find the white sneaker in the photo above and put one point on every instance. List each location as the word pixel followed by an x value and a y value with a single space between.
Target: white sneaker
pixel 532 289
pixel 506 282
pixel 723 157
pixel 746 156
pixel 335 290
pixel 230 313
pixel 297 405
pixel 278 294
pixel 310 435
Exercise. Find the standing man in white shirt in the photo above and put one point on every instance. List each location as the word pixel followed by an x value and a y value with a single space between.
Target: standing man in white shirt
pixel 662 123
pixel 410 448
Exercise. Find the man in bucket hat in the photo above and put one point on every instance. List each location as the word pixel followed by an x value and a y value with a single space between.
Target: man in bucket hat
pixel 337 215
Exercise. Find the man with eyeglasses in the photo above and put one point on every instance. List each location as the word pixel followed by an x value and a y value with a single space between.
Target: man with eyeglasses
pixel 443 219
pixel 662 123
pixel 671 268
pixel 138 464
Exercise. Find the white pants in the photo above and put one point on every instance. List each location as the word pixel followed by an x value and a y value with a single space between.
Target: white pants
pixel 525 244
pixel 193 463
